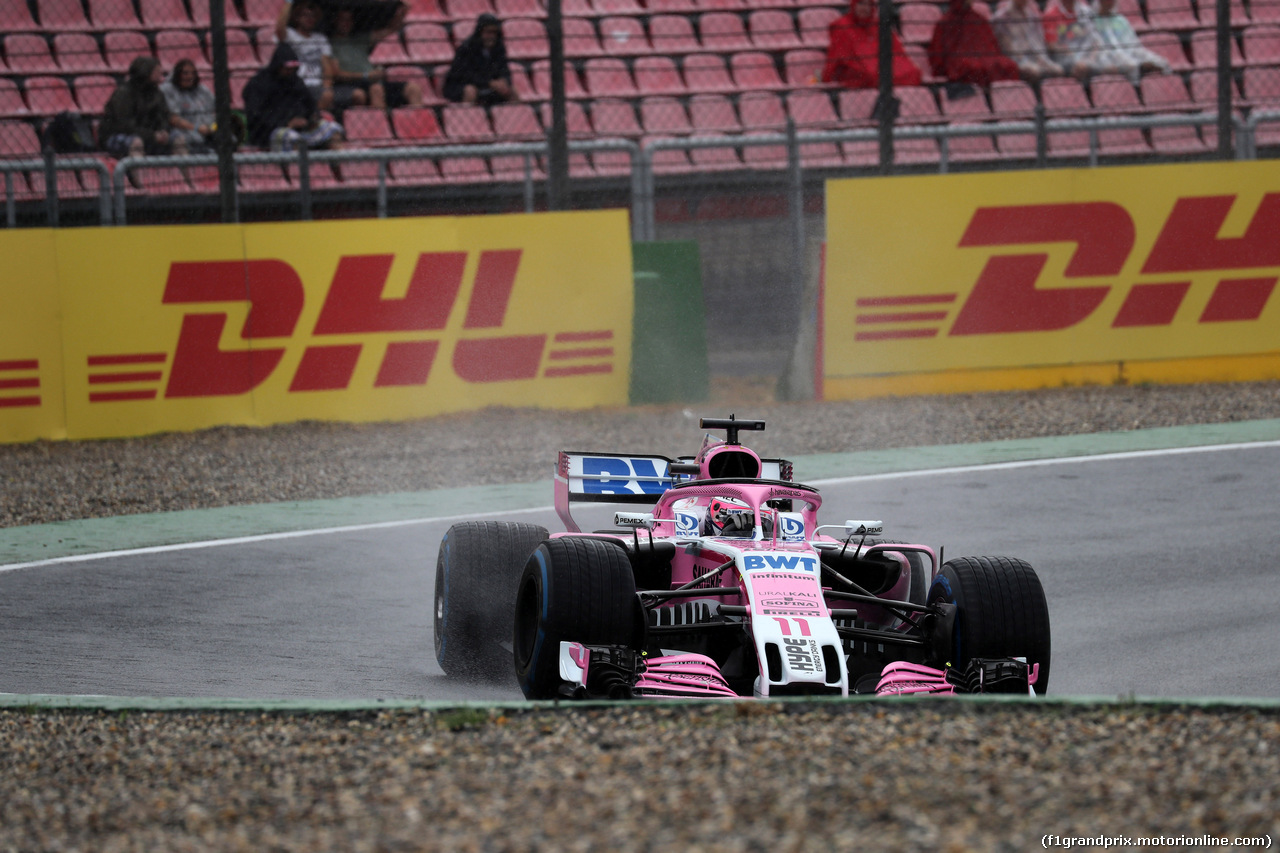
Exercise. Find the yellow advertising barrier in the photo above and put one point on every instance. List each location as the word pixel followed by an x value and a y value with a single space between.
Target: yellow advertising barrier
pixel 179 328
pixel 1029 279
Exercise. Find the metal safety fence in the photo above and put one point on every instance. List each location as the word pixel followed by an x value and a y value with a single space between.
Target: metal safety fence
pixel 709 118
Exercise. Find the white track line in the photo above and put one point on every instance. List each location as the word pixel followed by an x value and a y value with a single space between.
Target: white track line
pixel 261 537
pixel 858 478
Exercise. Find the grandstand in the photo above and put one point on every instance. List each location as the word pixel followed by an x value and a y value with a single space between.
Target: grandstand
pixel 724 69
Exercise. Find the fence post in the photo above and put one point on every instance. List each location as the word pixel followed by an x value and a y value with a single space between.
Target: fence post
pixel 1224 79
pixel 51 185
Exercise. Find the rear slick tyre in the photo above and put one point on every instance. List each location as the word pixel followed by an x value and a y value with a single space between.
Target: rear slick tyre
pixel 577 590
pixel 477 571
pixel 1001 611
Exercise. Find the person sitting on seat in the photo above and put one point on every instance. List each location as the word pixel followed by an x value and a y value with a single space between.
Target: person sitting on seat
pixel 853 54
pixel 1021 34
pixel 480 73
pixel 357 81
pixel 135 120
pixel 281 110
pixel 1122 48
pixel 964 48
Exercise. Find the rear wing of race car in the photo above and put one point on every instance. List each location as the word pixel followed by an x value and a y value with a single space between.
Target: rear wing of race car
pixel 629 479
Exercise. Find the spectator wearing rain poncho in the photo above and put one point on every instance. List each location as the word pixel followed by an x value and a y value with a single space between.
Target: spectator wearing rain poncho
pixel 1071 33
pixel 853 51
pixel 1122 48
pixel 964 48
pixel 1021 35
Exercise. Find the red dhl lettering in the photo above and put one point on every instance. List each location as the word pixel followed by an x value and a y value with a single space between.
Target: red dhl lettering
pixel 354 305
pixel 1005 297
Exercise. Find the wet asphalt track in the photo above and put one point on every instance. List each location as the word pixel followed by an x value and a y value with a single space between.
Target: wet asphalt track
pixel 1160 571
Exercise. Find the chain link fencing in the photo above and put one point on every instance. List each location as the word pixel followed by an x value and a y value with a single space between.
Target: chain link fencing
pixel 727 80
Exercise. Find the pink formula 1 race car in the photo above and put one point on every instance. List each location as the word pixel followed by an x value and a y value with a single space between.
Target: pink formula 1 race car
pixel 719 581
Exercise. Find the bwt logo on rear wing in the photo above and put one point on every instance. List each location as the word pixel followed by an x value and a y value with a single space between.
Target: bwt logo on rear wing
pixel 626 479
pixel 638 478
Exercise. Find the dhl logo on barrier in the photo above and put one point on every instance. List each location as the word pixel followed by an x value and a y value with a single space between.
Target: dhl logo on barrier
pixel 1143 267
pixel 1005 297
pixel 172 340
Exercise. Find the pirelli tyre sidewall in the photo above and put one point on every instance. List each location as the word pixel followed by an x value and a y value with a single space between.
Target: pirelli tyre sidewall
pixel 1001 611
pixel 477 570
pixel 573 589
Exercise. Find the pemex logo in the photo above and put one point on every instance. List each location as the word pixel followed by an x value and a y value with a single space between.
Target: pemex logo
pixel 353 305
pixel 1005 297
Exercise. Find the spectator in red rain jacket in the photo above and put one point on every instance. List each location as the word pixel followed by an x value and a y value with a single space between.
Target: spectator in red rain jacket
pixel 964 48
pixel 853 55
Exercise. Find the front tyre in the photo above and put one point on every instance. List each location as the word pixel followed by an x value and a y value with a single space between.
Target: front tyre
pixel 1001 611
pixel 577 590
pixel 477 571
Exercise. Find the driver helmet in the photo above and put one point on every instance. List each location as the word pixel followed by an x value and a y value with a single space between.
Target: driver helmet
pixel 733 517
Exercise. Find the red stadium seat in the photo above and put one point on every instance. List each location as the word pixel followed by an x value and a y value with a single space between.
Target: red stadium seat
pixel 416 124
pixel 580 39
pixel 12 104
pixel 718 159
pixel 672 35
pixel 466 123
pixel 917 21
pixel 258 12
pixel 623 36
pixel 1064 97
pixel 367 126
pixel 712 112
pixel 754 69
pixel 614 117
pixel 773 29
pixel 125 46
pixel 814 24
pixel 390 51
pixel 1171 15
pixel 18 140
pixel 166 14
pixel 526 38
pixel 92 92
pixel 172 45
pixel 468 10
pixel 658 75
pixel 1204 50
pixel 664 116
pixel 261 177
pixel 680 7
pixel 29 53
pixel 1261 45
pixel 422 10
pixel 1168 45
pixel 48 95
pixel 803 67
pixel 723 32
pixel 812 109
pixel 855 105
pixel 575 118
pixel 1240 16
pixel 15 17
pixel 1166 93
pixel 707 72
pixel 1012 100
pixel 240 50
pixel 542 80
pixel 617 7
pixel 516 122
pixel 608 77
pixel 62 15
pixel 78 53
pixel 508 10
pixel 1113 93
pixel 113 15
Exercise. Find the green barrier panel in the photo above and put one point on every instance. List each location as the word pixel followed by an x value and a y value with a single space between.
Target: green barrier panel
pixel 669 349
